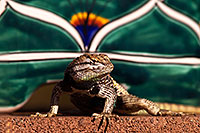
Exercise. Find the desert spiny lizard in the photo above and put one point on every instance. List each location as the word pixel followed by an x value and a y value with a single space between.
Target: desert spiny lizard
pixel 91 88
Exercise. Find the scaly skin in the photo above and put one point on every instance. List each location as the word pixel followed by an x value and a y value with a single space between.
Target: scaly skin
pixel 88 82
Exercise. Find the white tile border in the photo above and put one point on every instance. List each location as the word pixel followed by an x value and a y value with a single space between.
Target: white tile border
pixel 123 56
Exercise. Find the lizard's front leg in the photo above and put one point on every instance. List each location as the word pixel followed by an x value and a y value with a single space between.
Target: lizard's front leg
pixel 109 93
pixel 57 90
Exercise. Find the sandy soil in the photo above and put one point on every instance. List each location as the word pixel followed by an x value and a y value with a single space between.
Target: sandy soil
pixel 24 123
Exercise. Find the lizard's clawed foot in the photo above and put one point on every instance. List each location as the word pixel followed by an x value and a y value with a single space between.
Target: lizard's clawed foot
pixel 171 113
pixel 104 116
pixel 43 115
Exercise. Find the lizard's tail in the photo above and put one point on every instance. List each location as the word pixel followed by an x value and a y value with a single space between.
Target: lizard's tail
pixel 179 107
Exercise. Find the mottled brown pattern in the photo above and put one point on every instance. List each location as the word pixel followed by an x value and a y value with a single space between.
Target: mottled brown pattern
pixel 87 79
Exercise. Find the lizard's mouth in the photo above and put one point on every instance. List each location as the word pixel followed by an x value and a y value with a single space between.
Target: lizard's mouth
pixel 84 67
pixel 91 72
pixel 95 67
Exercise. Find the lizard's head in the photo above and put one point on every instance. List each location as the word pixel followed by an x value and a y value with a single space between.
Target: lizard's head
pixel 90 67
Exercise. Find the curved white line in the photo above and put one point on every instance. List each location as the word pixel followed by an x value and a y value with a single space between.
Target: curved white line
pixel 180 17
pixel 48 17
pixel 37 56
pixel 119 22
pixel 3 5
pixel 138 58
pixel 156 60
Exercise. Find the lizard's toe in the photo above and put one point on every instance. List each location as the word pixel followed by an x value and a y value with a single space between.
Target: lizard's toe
pixel 171 113
pixel 51 114
pixel 43 115
pixel 103 116
pixel 39 115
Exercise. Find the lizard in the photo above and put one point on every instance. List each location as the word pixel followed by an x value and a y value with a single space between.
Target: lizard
pixel 91 88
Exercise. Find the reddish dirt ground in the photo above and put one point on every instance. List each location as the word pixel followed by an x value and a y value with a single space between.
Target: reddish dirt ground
pixel 24 123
